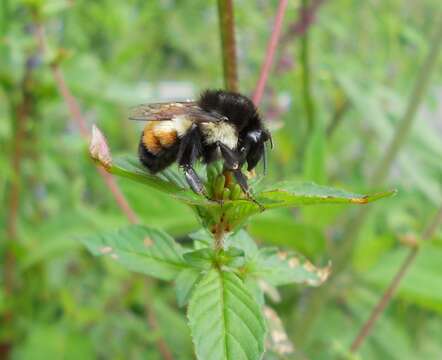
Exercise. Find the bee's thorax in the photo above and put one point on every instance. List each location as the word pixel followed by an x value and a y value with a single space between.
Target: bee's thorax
pixel 219 132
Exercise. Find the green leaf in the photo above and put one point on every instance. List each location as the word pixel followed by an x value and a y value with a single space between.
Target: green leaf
pixel 140 249
pixel 225 321
pixel 202 238
pixel 283 195
pixel 169 182
pixel 184 284
pixel 280 228
pixel 255 289
pixel 205 258
pixel 200 259
pixel 289 194
pixel 242 240
pixel 232 257
pixel 281 268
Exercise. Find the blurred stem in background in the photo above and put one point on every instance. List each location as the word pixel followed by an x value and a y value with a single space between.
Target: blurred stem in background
pixel 402 271
pixel 320 296
pixel 400 136
pixel 307 98
pixel 21 114
pixel 226 18
pixel 342 107
pixel 270 53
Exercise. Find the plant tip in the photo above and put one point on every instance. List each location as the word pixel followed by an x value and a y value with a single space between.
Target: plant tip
pixel 98 148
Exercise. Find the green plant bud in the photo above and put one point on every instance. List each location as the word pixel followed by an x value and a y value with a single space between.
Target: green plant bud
pixel 211 173
pixel 219 167
pixel 226 194
pixel 219 185
pixel 235 192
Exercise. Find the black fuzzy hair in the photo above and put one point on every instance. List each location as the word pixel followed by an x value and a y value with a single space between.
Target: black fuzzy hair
pixel 238 108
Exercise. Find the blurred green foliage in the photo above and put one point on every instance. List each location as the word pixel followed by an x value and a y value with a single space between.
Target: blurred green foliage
pixel 364 54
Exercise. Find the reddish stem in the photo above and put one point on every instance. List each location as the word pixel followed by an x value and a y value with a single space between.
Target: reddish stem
pixel 306 18
pixel 270 53
pixel 76 115
pixel 81 122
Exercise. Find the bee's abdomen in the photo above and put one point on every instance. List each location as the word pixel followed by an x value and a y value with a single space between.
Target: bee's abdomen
pixel 157 151
pixel 160 142
pixel 157 137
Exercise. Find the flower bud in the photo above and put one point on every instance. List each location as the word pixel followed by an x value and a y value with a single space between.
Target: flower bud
pixel 98 149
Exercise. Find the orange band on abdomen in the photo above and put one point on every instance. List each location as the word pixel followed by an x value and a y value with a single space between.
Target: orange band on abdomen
pixel 150 141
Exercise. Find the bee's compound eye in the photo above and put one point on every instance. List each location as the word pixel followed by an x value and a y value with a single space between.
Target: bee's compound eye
pixel 254 135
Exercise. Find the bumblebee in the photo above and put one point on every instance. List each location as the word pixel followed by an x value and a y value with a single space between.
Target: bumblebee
pixel 219 125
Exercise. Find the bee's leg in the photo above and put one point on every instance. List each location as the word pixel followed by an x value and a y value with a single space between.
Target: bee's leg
pixel 231 158
pixel 193 180
pixel 241 179
pixel 190 150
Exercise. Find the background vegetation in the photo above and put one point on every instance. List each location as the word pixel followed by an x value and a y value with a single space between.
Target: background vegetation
pixel 347 78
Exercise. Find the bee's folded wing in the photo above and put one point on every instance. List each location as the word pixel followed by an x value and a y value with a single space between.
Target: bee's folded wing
pixel 169 110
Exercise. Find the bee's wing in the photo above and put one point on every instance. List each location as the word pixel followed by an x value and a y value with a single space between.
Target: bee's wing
pixel 168 110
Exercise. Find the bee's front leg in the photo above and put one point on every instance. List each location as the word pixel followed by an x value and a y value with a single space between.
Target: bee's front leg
pixel 242 181
pixel 196 183
pixel 231 158
pixel 194 180
pixel 189 151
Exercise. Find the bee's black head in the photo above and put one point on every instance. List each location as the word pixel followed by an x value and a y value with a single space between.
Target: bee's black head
pixel 237 108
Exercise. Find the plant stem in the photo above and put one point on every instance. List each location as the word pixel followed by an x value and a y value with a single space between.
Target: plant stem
pixel 309 106
pixel 228 48
pixel 351 232
pixel 394 284
pixel 270 53
pixel 219 234
pixel 227 31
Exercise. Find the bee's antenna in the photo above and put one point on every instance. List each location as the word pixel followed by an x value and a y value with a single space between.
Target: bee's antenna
pixel 264 159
